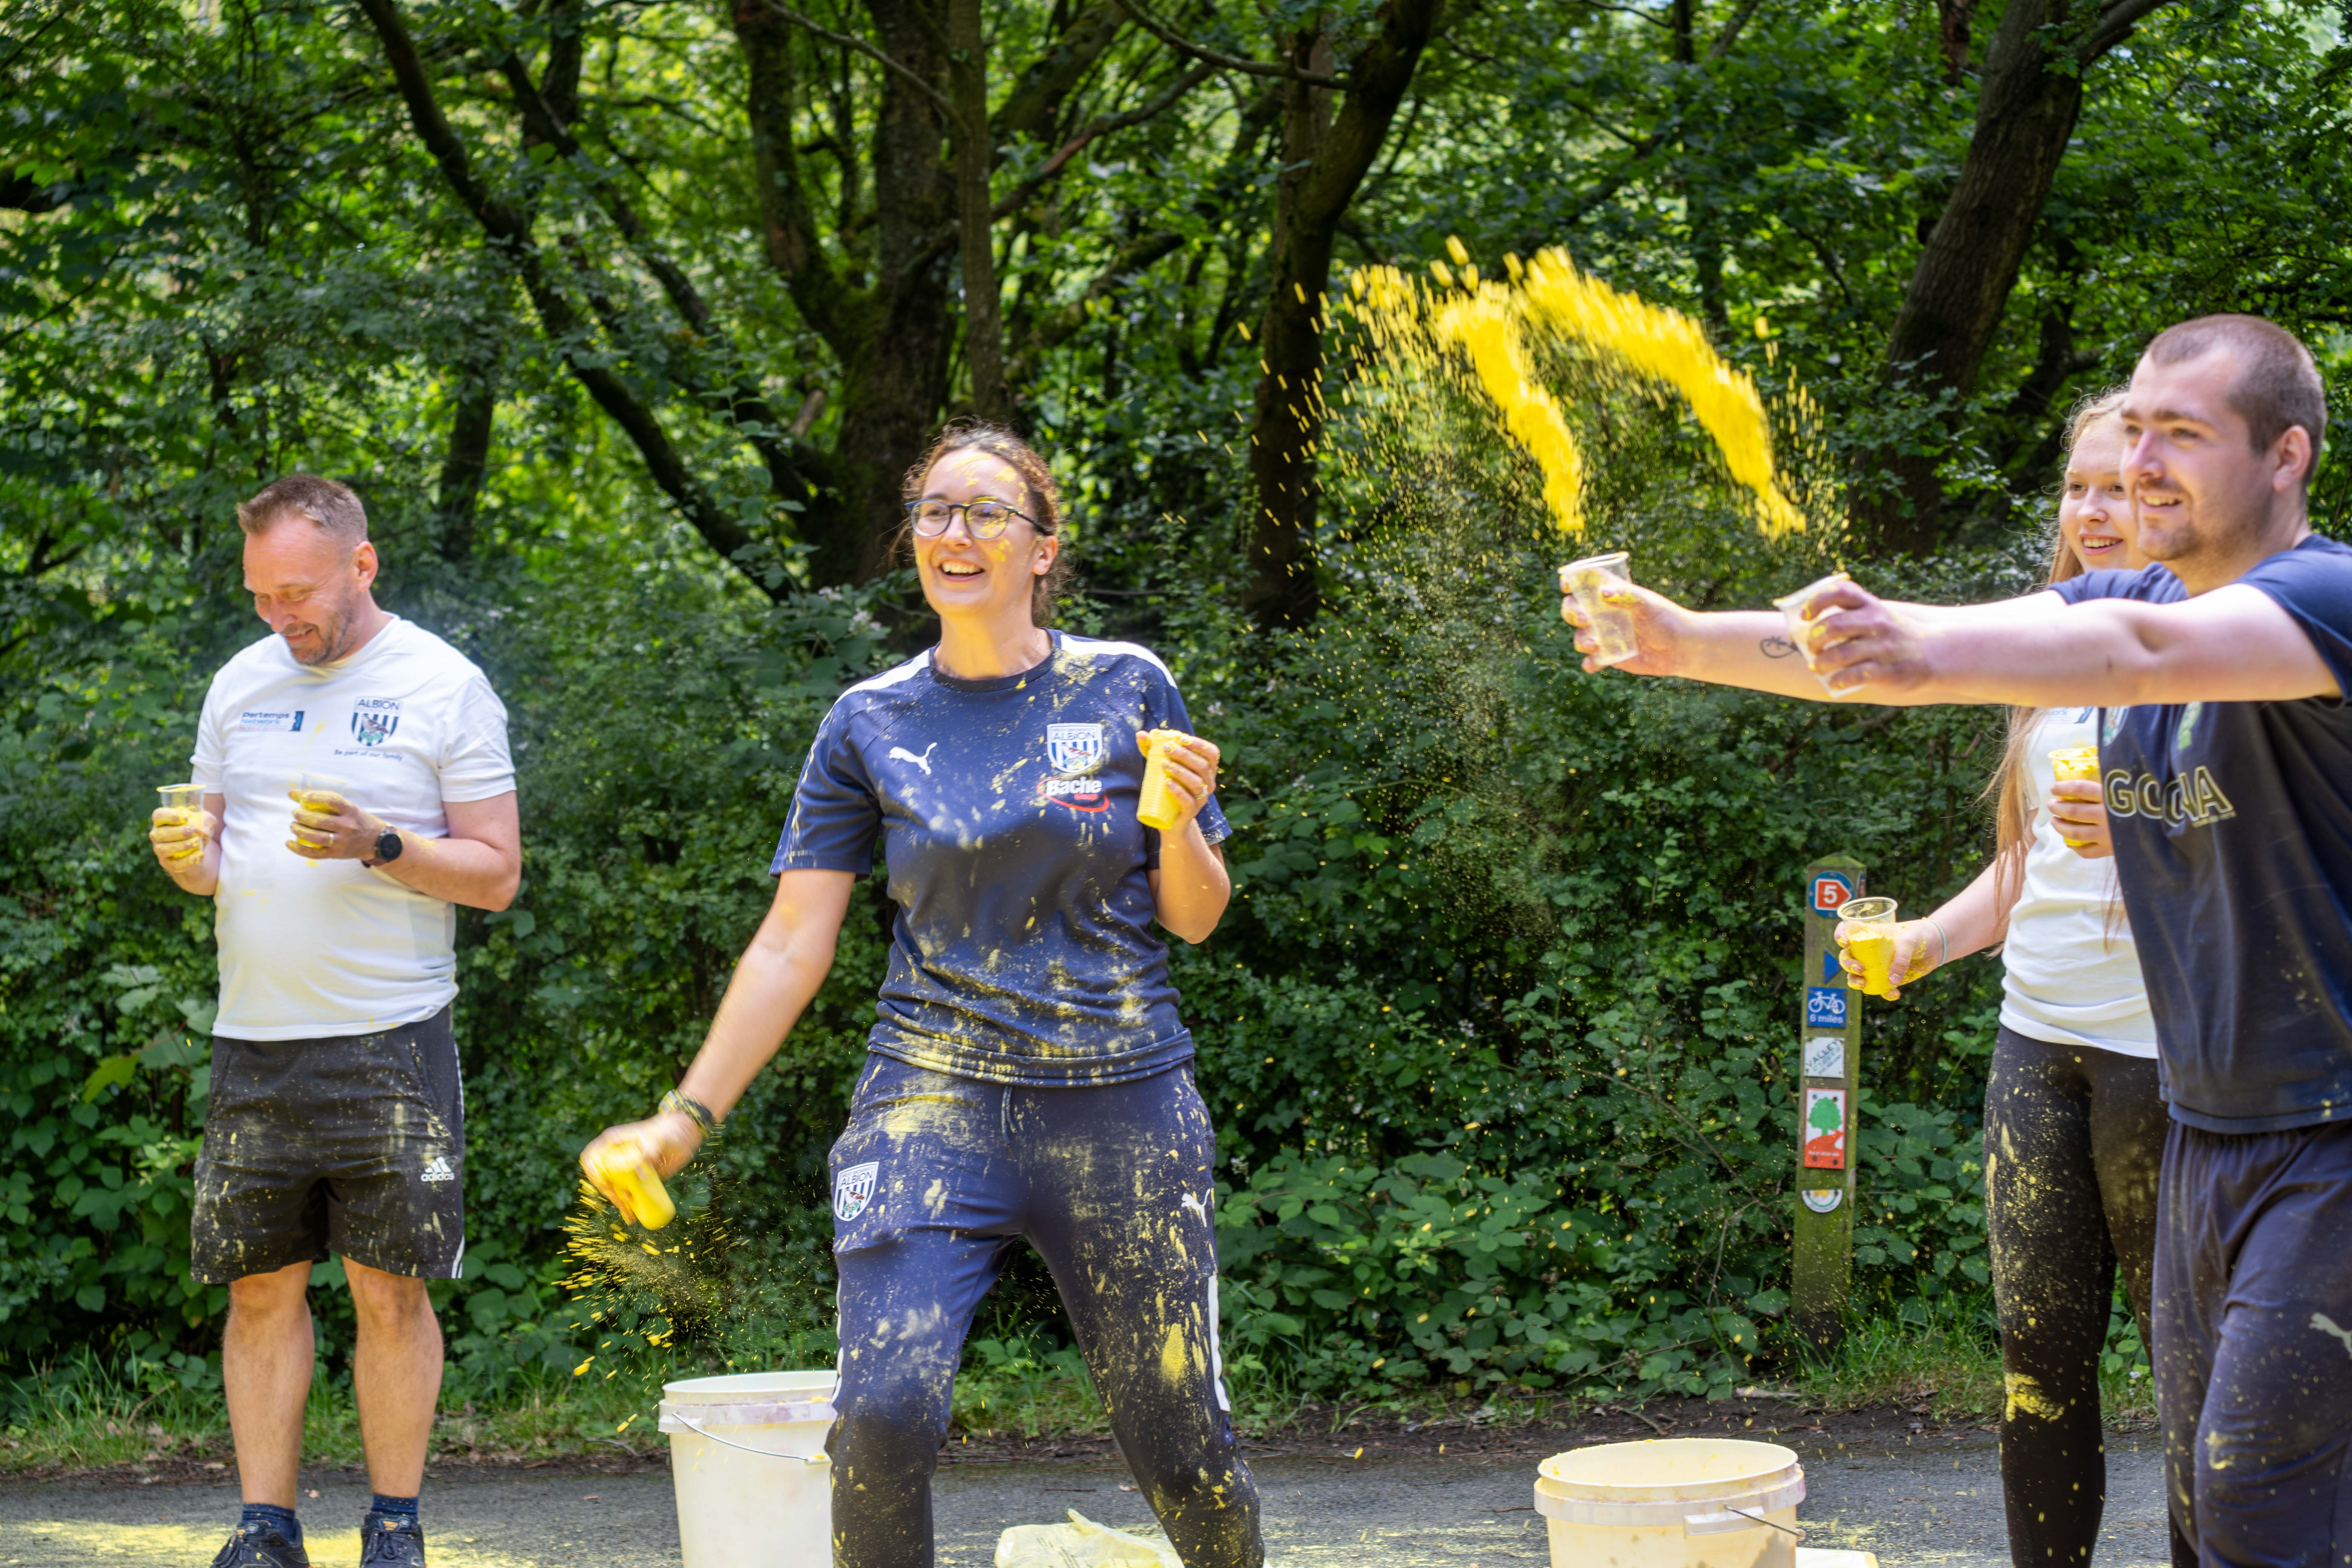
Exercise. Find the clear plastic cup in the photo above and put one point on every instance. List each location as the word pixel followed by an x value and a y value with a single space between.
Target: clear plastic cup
pixel 308 784
pixel 1802 631
pixel 2075 764
pixel 1872 946
pixel 1157 804
pixel 1611 624
pixel 187 799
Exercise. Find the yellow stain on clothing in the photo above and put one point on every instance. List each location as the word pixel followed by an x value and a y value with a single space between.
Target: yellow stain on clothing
pixel 1175 1357
pixel 2026 1398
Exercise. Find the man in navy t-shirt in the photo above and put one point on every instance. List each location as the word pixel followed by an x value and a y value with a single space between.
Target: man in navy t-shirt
pixel 2226 746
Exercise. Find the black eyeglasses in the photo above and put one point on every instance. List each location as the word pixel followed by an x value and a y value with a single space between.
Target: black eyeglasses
pixel 986 518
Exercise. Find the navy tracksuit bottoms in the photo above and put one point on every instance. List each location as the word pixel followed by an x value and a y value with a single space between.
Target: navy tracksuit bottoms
pixel 2254 1343
pixel 935 1181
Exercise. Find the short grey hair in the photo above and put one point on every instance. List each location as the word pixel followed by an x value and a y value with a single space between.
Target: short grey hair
pixel 334 509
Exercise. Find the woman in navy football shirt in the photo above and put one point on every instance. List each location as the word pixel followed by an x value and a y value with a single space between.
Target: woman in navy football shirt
pixel 1028 1076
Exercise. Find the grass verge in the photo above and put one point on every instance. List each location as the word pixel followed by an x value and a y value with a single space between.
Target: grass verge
pixel 80 1416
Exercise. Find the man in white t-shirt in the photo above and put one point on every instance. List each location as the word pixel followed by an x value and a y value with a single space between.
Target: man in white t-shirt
pixel 356 788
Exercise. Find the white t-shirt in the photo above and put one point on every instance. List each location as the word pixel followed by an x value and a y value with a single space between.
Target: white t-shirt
pixel 2073 971
pixel 329 947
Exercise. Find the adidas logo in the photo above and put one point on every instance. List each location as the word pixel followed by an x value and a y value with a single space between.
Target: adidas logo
pixel 439 1170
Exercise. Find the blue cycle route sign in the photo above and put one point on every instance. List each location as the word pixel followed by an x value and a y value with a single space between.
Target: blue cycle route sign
pixel 1825 1006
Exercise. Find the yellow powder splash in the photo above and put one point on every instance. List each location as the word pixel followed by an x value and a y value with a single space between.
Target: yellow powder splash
pixel 1490 322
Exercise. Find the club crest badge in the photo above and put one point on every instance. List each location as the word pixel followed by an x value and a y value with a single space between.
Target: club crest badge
pixel 374 719
pixel 1075 748
pixel 853 1190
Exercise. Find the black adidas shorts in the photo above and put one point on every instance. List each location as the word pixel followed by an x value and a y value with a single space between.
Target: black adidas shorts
pixel 352 1144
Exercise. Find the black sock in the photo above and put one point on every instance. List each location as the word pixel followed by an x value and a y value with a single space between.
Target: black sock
pixel 391 1512
pixel 281 1520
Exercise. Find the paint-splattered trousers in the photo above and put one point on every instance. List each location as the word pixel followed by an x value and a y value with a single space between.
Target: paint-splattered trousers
pixel 2253 1343
pixel 352 1144
pixel 2073 1138
pixel 935 1181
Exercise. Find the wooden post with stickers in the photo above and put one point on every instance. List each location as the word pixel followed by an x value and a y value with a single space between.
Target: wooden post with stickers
pixel 1829 1056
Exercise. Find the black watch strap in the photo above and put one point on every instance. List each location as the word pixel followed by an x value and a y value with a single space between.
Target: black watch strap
pixel 387 848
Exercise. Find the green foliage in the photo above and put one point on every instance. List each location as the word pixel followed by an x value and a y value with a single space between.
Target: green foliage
pixel 1498 1033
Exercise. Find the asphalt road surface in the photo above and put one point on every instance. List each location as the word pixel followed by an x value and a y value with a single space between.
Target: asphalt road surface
pixel 1932 1499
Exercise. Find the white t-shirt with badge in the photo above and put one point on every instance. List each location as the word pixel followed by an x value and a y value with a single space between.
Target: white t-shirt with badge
pixel 329 947
pixel 2073 971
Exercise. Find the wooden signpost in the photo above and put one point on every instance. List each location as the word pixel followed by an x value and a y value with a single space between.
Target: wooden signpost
pixel 1829 1056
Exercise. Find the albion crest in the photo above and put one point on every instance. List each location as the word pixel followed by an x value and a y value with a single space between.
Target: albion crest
pixel 853 1190
pixel 374 719
pixel 1075 748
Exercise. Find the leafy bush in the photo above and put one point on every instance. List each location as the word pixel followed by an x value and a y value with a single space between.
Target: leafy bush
pixel 1498 1034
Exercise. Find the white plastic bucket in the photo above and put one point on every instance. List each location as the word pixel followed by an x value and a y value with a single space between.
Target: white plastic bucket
pixel 747 1456
pixel 1677 1503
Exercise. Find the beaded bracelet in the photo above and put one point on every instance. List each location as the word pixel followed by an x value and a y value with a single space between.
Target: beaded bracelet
pixel 693 1109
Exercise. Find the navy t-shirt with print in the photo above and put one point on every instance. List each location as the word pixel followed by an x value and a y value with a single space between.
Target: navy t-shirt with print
pixel 1022 950
pixel 2234 837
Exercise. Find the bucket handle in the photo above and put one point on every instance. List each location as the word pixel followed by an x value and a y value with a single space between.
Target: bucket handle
pixel 687 1422
pixel 1732 1519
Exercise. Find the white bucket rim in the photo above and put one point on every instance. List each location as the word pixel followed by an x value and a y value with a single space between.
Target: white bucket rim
pixel 1698 1516
pixel 812 1385
pixel 1767 1468
pixel 770 1414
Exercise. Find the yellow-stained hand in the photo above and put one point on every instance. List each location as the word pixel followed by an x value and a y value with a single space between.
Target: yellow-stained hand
pixel 2078 809
pixel 664 1142
pixel 1918 952
pixel 1657 624
pixel 1858 640
pixel 179 837
pixel 329 827
pixel 1190 764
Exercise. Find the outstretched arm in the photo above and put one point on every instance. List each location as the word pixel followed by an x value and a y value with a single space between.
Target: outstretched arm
pixel 788 958
pixel 2235 644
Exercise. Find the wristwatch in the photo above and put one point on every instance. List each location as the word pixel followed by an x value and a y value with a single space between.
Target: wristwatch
pixel 387 848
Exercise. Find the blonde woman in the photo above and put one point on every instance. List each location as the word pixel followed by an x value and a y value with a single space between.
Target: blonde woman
pixel 2074 1123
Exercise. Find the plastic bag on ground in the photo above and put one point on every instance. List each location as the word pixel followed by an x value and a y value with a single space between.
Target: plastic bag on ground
pixel 1083 1543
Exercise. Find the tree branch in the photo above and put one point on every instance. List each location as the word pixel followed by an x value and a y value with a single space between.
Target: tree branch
pixel 1160 103
pixel 1036 96
pixel 744 401
pixel 1182 44
pixel 509 233
pixel 2114 25
pixel 851 41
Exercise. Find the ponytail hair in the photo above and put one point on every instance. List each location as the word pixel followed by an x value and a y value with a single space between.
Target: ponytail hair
pixel 1042 502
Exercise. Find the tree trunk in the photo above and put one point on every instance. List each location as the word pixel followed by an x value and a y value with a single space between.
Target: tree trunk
pixel 1325 159
pixel 984 331
pixel 891 337
pixel 2028 102
pixel 468 458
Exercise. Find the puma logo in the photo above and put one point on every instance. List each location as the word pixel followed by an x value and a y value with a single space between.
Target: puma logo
pixel 900 753
pixel 1195 1205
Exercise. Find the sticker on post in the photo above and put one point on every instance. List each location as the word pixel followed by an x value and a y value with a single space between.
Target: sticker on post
pixel 1825 1130
pixel 1831 891
pixel 1825 1006
pixel 1823 1200
pixel 1825 1056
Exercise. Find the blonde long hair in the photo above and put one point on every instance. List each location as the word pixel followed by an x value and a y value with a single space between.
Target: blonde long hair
pixel 2012 817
